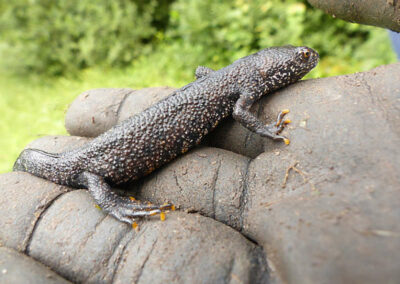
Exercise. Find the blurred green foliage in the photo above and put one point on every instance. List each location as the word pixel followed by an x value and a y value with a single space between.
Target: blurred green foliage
pixel 59 37
pixel 218 32
pixel 143 43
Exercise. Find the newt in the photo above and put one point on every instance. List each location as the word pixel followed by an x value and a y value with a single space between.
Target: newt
pixel 146 141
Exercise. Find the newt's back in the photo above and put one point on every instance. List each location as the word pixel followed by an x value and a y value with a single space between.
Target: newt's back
pixel 154 137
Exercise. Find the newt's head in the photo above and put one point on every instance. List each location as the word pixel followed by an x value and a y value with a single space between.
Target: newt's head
pixel 286 64
pixel 304 59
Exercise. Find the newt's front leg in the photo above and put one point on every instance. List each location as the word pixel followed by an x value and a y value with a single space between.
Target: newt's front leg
pixel 124 209
pixel 202 71
pixel 242 114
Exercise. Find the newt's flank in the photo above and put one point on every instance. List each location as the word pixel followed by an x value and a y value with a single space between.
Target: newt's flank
pixel 146 141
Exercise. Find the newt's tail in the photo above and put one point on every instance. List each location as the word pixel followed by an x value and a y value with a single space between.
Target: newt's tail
pixel 38 163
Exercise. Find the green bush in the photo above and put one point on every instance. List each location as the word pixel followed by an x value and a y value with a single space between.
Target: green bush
pixel 57 37
pixel 221 31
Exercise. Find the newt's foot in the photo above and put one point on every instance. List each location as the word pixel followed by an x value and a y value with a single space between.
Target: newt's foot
pixel 273 130
pixel 127 209
pixel 124 209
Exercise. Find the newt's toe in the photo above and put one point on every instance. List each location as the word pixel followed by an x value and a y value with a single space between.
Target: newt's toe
pixel 279 119
pixel 167 206
pixel 162 216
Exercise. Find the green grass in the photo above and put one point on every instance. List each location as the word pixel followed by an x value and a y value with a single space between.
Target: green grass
pixel 33 106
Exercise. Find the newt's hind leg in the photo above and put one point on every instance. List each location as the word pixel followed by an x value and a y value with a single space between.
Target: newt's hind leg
pixel 124 209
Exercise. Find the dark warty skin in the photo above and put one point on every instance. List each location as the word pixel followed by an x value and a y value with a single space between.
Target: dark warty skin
pixel 146 141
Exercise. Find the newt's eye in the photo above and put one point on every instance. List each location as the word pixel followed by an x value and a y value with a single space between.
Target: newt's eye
pixel 306 54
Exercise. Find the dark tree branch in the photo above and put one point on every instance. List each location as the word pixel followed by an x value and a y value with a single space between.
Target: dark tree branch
pixel 381 13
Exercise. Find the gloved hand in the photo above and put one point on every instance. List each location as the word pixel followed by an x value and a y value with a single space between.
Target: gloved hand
pixel 322 209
